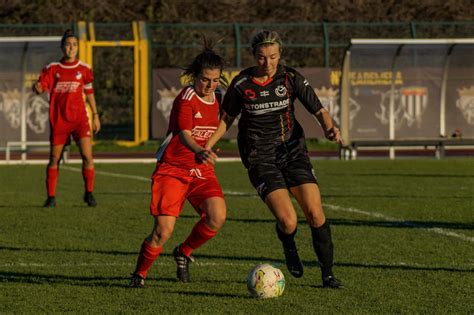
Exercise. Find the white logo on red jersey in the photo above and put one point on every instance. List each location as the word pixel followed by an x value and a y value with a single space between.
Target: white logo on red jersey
pixel 67 87
pixel 198 115
pixel 78 75
pixel 202 132
pixel 57 75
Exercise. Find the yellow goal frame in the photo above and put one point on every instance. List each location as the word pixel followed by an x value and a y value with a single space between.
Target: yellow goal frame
pixel 87 42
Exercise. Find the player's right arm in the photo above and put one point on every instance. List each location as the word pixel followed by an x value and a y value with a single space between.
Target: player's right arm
pixel 44 80
pixel 230 110
pixel 224 125
pixel 37 88
pixel 201 154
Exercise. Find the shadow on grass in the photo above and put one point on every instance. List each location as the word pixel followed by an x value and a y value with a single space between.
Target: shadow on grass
pixel 34 278
pixel 404 224
pixel 112 282
pixel 106 282
pixel 73 250
pixel 395 196
pixel 365 223
pixel 209 294
pixel 277 261
pixel 407 175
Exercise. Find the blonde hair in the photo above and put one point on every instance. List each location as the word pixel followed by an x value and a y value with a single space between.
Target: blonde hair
pixel 265 38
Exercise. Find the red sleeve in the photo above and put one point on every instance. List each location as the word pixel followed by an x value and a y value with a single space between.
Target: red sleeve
pixel 185 115
pixel 45 78
pixel 88 79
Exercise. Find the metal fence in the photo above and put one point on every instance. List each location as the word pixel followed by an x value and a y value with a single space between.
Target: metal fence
pixel 306 45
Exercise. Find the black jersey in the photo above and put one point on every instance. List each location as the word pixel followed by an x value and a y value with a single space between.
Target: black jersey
pixel 267 124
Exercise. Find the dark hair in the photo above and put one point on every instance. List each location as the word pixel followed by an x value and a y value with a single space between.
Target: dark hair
pixel 68 33
pixel 207 59
pixel 265 38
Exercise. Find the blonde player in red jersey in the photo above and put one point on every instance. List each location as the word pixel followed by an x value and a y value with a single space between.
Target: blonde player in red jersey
pixel 67 81
pixel 185 170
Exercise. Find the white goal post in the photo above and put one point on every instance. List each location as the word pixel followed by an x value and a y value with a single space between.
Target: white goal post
pixel 24 116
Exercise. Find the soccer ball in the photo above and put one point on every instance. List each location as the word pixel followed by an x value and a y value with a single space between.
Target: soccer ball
pixel 265 281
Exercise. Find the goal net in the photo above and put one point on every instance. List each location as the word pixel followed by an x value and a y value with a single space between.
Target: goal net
pixel 24 116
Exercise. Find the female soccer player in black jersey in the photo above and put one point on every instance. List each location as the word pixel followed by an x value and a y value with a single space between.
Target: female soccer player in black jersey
pixel 272 147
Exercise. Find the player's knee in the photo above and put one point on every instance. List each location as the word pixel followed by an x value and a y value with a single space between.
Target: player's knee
pixel 53 162
pixel 161 236
pixel 216 220
pixel 316 219
pixel 287 225
pixel 87 161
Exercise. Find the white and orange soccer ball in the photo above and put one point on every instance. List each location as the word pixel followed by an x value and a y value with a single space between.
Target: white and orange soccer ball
pixel 265 281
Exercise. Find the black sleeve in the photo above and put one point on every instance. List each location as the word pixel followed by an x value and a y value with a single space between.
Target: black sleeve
pixel 305 93
pixel 231 102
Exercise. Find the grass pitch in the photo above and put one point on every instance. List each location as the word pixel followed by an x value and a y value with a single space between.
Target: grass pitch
pixel 403 232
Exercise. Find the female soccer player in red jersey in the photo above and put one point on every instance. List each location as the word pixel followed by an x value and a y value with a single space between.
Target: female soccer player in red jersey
pixel 185 170
pixel 67 81
pixel 272 147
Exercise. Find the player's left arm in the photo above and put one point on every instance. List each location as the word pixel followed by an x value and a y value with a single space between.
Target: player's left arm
pixel 95 115
pixel 89 91
pixel 201 154
pixel 305 93
pixel 331 132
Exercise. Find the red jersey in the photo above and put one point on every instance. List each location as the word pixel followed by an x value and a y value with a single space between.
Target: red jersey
pixel 189 112
pixel 67 83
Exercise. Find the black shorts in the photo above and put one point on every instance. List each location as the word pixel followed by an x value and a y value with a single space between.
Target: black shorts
pixel 267 177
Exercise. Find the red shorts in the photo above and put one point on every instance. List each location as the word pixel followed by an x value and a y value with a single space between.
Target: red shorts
pixel 60 134
pixel 171 186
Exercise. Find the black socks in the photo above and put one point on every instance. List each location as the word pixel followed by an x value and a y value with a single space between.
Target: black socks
pixel 288 240
pixel 322 244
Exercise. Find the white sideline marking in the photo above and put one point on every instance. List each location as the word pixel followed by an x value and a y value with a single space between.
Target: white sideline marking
pixel 141 178
pixel 403 222
pixel 333 207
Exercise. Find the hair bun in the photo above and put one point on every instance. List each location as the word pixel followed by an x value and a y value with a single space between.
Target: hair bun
pixel 68 32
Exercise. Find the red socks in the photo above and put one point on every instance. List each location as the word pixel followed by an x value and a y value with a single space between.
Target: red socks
pixel 51 181
pixel 148 255
pixel 88 174
pixel 200 234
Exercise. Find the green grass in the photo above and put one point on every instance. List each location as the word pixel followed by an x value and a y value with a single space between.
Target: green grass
pixel 223 145
pixel 403 232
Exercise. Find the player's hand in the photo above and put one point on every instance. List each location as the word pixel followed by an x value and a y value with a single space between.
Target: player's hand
pixel 96 123
pixel 37 88
pixel 333 134
pixel 206 156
